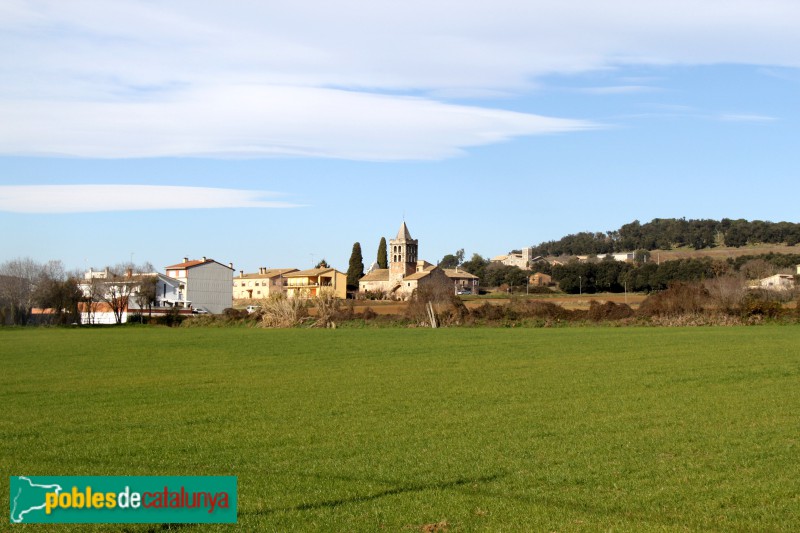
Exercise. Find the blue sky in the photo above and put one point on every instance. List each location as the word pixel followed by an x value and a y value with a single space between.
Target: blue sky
pixel 267 135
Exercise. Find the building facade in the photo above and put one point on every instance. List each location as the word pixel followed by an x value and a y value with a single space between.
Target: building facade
pixel 262 284
pixel 312 282
pixel 207 284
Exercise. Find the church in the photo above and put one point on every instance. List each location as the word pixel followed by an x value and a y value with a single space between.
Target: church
pixel 405 273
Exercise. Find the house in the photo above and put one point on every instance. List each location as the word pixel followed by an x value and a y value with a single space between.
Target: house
pixel 778 282
pixel 203 284
pixel 624 257
pixel 523 259
pixel 261 284
pixel 310 283
pixel 406 273
pixel 540 280
pixel 462 280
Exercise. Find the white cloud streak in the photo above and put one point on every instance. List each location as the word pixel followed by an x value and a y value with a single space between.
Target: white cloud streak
pixel 258 78
pixel 253 121
pixel 98 198
pixel 745 117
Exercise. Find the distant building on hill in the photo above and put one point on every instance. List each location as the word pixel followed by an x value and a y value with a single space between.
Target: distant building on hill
pixel 523 259
pixel 540 280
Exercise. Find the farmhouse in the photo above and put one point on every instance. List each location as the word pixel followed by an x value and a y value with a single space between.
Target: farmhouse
pixel 462 280
pixel 540 280
pixel 778 282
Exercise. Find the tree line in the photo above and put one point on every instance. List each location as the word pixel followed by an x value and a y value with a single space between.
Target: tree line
pixel 26 285
pixel 668 233
pixel 608 275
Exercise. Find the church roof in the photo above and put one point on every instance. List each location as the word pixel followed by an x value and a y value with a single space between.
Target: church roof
pixel 379 274
pixel 418 275
pixel 403 233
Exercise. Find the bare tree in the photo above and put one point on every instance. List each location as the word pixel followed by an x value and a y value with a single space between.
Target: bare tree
pixel 119 285
pixel 727 292
pixel 59 292
pixel 757 269
pixel 18 281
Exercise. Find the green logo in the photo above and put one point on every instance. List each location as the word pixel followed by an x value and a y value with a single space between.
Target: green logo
pixel 123 499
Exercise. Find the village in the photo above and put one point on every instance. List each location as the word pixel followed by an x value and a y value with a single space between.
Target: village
pixel 206 286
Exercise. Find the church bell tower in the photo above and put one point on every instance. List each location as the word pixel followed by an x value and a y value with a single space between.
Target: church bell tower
pixel 402 255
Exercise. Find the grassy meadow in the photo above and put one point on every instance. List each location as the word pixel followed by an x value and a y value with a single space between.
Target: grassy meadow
pixel 574 429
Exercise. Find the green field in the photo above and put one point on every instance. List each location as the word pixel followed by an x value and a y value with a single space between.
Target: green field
pixel 624 429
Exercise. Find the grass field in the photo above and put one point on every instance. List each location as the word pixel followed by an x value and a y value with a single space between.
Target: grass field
pixel 624 429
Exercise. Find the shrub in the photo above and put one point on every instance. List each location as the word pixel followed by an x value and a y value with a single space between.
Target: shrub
pixel 235 314
pixel 608 311
pixel 679 298
pixel 754 305
pixel 278 311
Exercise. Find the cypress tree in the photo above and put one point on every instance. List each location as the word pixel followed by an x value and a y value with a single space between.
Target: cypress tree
pixel 355 270
pixel 383 261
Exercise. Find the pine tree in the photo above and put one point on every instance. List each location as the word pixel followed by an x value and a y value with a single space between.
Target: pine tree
pixel 356 269
pixel 383 261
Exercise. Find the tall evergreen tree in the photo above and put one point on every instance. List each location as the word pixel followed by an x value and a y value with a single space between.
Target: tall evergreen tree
pixel 355 270
pixel 383 261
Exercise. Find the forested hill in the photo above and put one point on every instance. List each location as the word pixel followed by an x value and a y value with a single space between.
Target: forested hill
pixel 667 233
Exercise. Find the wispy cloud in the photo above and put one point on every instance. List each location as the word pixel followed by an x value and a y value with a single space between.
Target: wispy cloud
pixel 258 121
pixel 618 89
pixel 745 117
pixel 96 198
pixel 140 79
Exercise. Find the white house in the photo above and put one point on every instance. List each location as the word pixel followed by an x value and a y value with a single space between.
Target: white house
pixel 778 282
pixel 200 284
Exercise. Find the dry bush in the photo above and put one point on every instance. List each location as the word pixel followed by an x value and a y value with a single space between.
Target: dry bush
pixel 696 320
pixel 726 293
pixel 489 312
pixel 327 305
pixel 278 311
pixel 757 269
pixel 448 309
pixel 608 311
pixel 368 313
pixel 679 298
pixel 762 304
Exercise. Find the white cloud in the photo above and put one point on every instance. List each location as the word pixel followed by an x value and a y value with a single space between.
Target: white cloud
pixel 96 198
pixel 745 117
pixel 618 89
pixel 247 121
pixel 259 78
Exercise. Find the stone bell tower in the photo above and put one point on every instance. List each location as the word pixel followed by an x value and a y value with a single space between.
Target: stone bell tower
pixel 402 255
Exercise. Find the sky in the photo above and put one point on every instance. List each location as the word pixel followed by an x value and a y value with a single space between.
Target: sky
pixel 276 134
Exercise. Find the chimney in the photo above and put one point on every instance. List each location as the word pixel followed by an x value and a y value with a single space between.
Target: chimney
pixel 230 265
pixel 185 259
pixel 204 258
pixel 241 273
